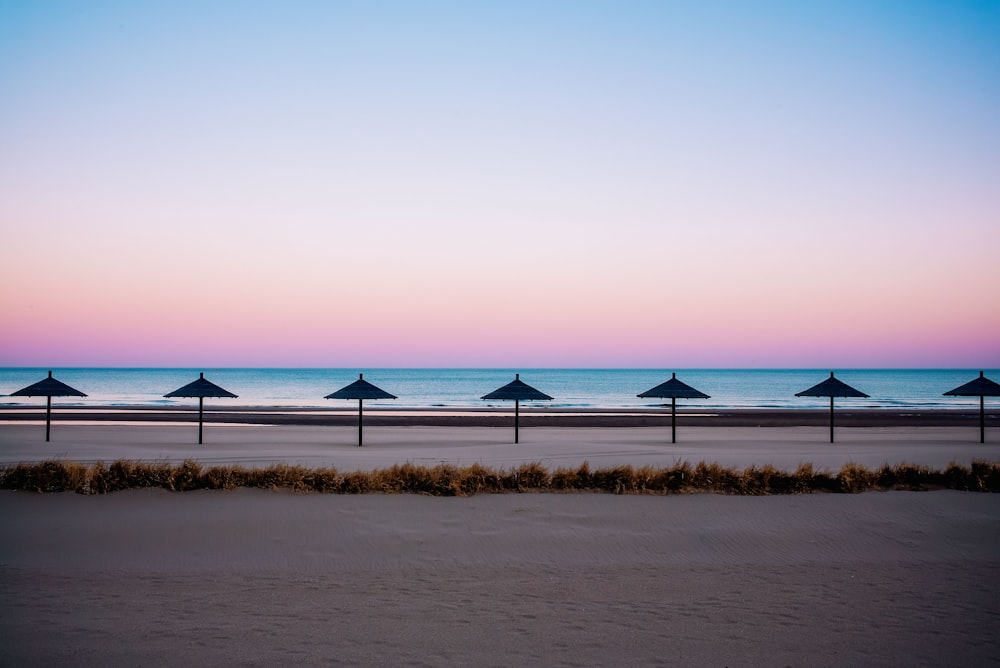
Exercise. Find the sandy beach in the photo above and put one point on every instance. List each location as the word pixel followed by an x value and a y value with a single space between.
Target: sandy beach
pixel 255 578
pixel 258 578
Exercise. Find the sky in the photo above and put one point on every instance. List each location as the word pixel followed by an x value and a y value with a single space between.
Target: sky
pixel 500 184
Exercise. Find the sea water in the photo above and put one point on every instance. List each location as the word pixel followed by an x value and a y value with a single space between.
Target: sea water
pixel 462 388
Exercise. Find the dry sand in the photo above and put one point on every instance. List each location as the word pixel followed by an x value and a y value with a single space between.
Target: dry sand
pixel 256 445
pixel 256 578
pixel 252 577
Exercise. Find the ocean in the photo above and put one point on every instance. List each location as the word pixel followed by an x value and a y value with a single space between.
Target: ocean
pixel 462 388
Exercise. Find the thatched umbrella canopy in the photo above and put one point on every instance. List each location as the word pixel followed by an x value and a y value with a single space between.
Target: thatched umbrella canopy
pixel 980 387
pixel 517 391
pixel 674 390
pixel 201 388
pixel 831 387
pixel 48 388
pixel 360 389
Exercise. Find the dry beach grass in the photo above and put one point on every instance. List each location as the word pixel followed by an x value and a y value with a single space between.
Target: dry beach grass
pixel 449 480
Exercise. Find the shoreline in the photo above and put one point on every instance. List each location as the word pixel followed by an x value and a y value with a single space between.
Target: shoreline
pixel 691 416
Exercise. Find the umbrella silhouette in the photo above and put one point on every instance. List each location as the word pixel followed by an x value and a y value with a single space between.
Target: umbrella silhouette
pixel 980 387
pixel 200 388
pixel 517 391
pixel 831 387
pixel 674 390
pixel 48 388
pixel 360 389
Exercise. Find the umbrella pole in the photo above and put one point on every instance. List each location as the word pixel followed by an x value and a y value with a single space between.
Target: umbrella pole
pixel 361 418
pixel 516 415
pixel 48 416
pixel 982 420
pixel 831 419
pixel 201 407
pixel 673 419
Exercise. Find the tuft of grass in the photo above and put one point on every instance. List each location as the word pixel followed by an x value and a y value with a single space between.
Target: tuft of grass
pixel 440 480
pixel 227 477
pixel 673 480
pixel 571 479
pixel 854 478
pixel 126 474
pixel 323 480
pixel 477 479
pixel 985 476
pixel 768 480
pixel 279 476
pixel 186 477
pixel 450 480
pixel 47 476
pixel 617 480
pixel 357 482
pixel 713 477
pixel 907 476
pixel 530 476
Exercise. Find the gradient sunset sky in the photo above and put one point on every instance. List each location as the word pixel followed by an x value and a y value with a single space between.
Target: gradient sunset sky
pixel 509 184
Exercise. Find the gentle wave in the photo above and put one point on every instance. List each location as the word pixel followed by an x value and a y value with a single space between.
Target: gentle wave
pixel 462 388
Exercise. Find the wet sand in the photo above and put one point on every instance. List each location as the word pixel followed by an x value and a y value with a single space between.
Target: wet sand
pixel 488 416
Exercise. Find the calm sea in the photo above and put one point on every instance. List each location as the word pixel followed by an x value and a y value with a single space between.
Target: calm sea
pixel 580 388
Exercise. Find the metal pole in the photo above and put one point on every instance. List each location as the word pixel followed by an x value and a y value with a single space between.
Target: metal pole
pixel 516 415
pixel 982 420
pixel 673 419
pixel 201 406
pixel 831 419
pixel 48 413
pixel 361 418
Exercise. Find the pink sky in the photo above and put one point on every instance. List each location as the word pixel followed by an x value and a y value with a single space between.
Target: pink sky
pixel 627 185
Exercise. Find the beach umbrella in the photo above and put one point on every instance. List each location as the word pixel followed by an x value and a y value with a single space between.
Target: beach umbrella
pixel 360 389
pixel 201 388
pixel 48 388
pixel 517 391
pixel 674 390
pixel 980 387
pixel 831 387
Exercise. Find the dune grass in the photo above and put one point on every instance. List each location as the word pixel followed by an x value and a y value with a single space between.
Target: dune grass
pixel 448 480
